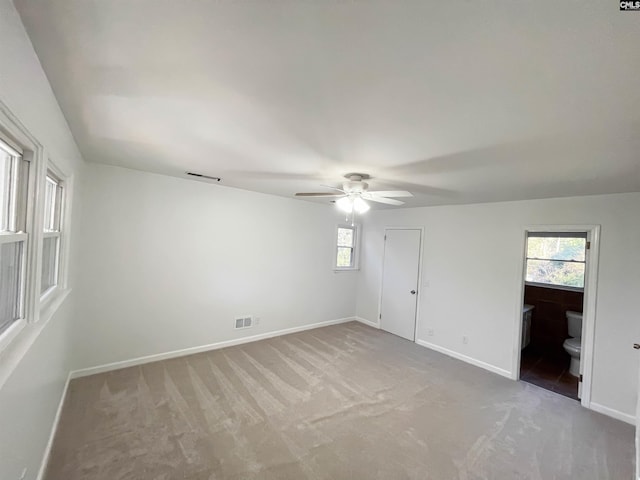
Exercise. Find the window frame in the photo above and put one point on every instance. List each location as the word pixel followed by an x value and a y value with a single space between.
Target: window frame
pixel 355 255
pixel 47 296
pixel 16 138
pixel 36 311
pixel 556 234
pixel 16 231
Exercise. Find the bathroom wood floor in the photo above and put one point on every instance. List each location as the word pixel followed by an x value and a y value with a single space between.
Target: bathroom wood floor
pixel 548 370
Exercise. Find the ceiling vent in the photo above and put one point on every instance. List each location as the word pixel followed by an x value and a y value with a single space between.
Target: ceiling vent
pixel 200 175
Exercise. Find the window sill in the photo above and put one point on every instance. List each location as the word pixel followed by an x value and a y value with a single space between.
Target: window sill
pixel 339 270
pixel 8 336
pixel 47 297
pixel 555 287
pixel 51 301
pixel 23 335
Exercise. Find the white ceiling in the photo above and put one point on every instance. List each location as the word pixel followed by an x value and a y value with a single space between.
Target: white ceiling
pixel 458 102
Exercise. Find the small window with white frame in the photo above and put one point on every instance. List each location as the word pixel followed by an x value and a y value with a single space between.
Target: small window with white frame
pixel 556 259
pixel 346 256
pixel 14 176
pixel 51 243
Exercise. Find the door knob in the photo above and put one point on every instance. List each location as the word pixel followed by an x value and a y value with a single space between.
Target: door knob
pixel 636 346
pixel 413 292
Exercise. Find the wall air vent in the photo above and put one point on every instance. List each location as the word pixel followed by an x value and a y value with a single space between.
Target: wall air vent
pixel 244 322
pixel 200 175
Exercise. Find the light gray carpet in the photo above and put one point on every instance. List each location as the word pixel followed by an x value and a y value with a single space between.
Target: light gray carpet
pixel 341 402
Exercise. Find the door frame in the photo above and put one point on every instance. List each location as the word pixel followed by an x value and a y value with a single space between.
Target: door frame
pixel 588 303
pixel 419 286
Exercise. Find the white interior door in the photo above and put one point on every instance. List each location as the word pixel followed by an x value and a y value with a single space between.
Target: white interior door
pixel 400 282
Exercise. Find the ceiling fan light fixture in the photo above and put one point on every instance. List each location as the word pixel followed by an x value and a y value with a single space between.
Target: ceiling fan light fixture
pixel 345 204
pixel 354 196
pixel 359 205
pixel 352 203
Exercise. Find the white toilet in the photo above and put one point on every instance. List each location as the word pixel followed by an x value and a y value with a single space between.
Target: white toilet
pixel 573 345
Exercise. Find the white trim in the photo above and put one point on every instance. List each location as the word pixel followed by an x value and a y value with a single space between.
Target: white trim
pixel 589 303
pixel 589 317
pixel 64 247
pixel 84 372
pixel 47 295
pixel 34 153
pixel 554 286
pixel 54 428
pixel 142 360
pixel 54 300
pixel 10 237
pixel 367 322
pixel 11 332
pixel 33 222
pixel 465 358
pixel 57 292
pixel 419 285
pixel 50 292
pixel 18 134
pixel 520 282
pixel 15 350
pixel 14 151
pixel 611 412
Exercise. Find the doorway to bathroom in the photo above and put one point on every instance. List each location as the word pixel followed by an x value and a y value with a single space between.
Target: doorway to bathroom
pixel 556 314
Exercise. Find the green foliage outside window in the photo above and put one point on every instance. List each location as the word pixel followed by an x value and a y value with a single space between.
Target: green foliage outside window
pixel 345 247
pixel 556 261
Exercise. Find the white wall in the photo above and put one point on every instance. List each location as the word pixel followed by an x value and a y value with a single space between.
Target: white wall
pixel 34 369
pixel 168 263
pixel 471 285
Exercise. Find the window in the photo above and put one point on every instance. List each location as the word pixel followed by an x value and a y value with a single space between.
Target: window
pixel 13 238
pixel 346 255
pixel 33 196
pixel 556 258
pixel 52 227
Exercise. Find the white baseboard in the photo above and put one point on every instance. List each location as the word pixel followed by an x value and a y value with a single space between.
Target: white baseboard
pixel 465 358
pixel 367 322
pixel 54 428
pixel 228 343
pixel 610 412
pixel 162 356
pixel 84 372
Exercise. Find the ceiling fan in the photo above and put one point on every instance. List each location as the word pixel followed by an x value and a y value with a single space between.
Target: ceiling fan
pixel 355 191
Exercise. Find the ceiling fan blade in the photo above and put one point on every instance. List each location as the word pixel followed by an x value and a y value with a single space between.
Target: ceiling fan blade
pixel 318 194
pixel 388 201
pixel 333 188
pixel 390 193
pixel 415 187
